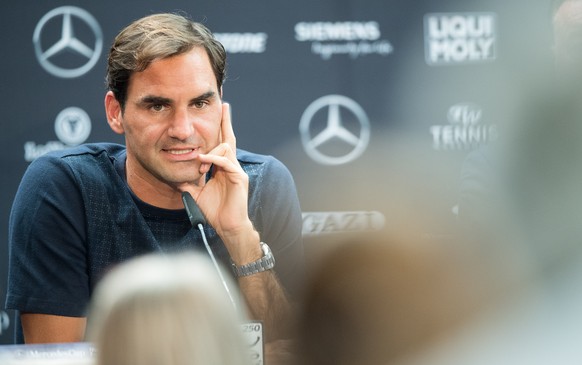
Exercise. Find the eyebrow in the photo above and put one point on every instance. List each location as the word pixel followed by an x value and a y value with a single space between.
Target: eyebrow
pixel 207 95
pixel 153 99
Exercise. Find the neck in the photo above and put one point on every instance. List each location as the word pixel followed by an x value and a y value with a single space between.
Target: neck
pixel 155 192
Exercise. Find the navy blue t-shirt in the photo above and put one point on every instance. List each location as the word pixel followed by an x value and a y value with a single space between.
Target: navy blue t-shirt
pixel 74 217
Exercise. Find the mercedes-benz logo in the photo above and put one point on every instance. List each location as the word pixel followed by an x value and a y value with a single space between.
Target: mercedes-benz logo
pixel 73 126
pixel 86 50
pixel 337 137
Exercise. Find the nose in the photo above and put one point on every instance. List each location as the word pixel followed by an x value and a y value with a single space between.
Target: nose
pixel 181 126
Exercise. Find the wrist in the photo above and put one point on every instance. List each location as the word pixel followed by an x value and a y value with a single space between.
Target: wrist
pixel 243 246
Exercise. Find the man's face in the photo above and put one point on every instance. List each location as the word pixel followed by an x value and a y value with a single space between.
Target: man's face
pixel 173 112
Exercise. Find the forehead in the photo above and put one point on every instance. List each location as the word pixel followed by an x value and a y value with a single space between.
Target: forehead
pixel 187 70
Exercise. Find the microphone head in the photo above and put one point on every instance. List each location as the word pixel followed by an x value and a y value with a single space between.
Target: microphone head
pixel 194 213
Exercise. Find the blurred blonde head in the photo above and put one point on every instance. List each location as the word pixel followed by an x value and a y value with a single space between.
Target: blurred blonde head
pixel 166 310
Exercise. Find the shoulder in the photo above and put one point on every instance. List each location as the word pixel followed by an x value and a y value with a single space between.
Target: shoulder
pixel 244 156
pixel 88 149
pixel 85 152
pixel 267 162
pixel 264 169
pixel 267 175
pixel 72 164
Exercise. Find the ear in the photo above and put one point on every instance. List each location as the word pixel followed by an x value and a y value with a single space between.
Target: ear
pixel 113 112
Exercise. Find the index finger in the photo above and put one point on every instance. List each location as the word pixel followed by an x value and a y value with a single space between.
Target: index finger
pixel 226 127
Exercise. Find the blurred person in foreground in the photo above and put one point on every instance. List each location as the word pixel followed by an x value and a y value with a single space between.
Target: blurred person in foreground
pixel 506 288
pixel 79 211
pixel 383 299
pixel 526 190
pixel 167 309
pixel 527 181
pixel 404 298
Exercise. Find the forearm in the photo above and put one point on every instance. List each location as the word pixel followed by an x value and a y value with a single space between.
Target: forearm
pixel 46 328
pixel 264 295
pixel 267 301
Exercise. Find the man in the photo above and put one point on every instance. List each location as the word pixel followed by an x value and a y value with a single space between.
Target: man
pixel 78 212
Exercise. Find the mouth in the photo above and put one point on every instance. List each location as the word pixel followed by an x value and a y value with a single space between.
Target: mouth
pixel 182 154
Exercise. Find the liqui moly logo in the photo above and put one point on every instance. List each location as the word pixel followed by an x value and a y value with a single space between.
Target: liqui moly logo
pixel 453 38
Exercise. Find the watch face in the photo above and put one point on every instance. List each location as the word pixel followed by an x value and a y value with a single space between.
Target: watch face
pixel 268 255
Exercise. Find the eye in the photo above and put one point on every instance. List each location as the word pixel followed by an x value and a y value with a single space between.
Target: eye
pixel 157 107
pixel 199 104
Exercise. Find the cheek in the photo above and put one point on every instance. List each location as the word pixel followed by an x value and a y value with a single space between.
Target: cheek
pixel 209 127
pixel 143 133
pixel 209 131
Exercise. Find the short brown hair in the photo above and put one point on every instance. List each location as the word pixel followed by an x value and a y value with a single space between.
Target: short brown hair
pixel 155 37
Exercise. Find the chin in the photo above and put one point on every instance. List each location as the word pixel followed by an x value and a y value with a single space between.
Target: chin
pixel 181 179
pixel 182 174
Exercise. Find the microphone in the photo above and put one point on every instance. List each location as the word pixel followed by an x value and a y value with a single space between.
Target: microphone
pixel 250 330
pixel 197 220
pixel 194 214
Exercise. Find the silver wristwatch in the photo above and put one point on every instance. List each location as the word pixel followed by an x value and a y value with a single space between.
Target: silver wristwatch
pixel 266 262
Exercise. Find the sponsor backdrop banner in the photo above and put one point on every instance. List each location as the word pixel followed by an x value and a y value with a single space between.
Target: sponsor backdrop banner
pixel 371 104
